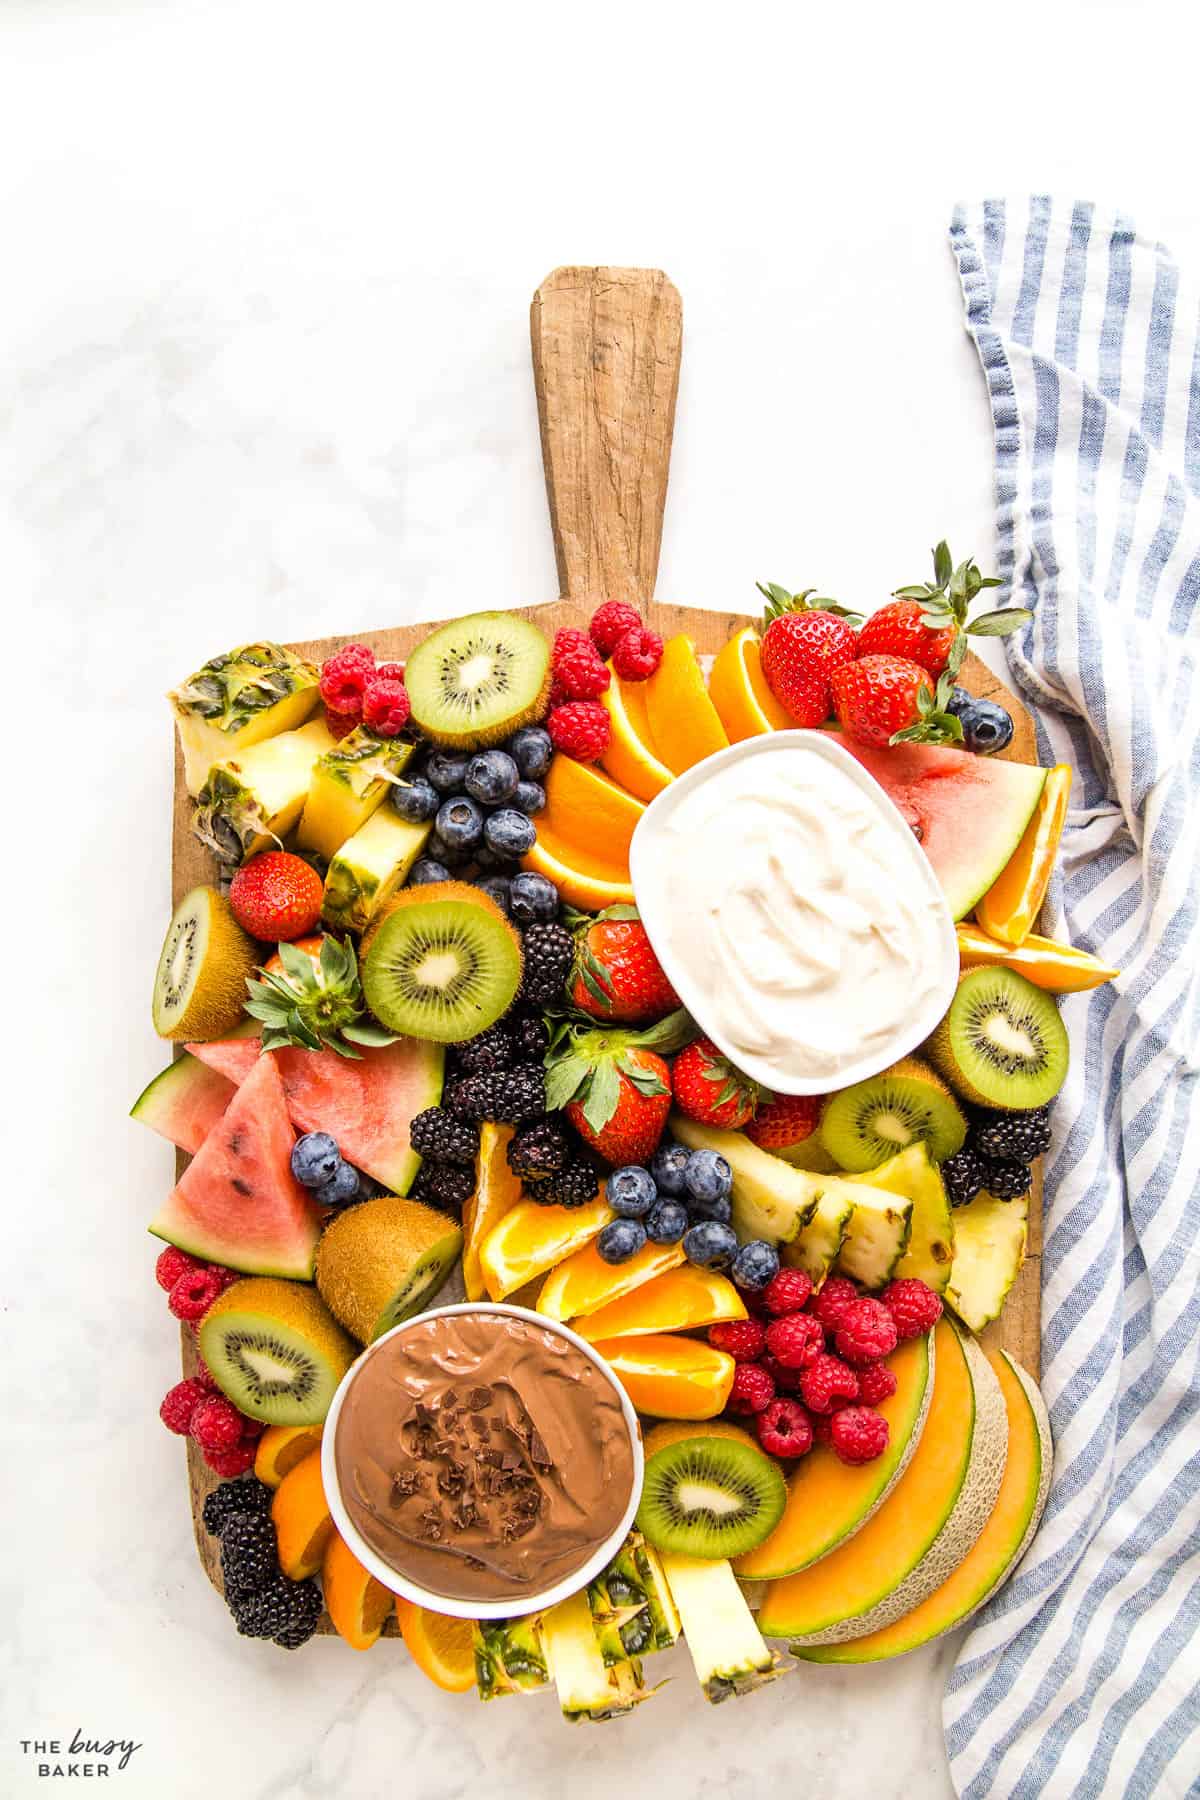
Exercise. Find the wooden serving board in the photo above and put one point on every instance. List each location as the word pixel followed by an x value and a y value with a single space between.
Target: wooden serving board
pixel 606 355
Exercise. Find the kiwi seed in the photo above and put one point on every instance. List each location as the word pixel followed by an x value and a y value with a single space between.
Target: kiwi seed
pixel 710 1497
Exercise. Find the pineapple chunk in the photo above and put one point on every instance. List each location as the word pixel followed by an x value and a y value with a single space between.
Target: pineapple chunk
pixel 620 1618
pixel 509 1658
pixel 877 1234
pixel 730 1653
pixel 816 1248
pixel 771 1199
pixel 348 784
pixel 664 1614
pixel 989 1249
pixel 237 700
pixel 588 1686
pixel 251 801
pixel 931 1241
pixel 369 868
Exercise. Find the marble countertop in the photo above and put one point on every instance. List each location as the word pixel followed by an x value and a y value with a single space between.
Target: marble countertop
pixel 264 370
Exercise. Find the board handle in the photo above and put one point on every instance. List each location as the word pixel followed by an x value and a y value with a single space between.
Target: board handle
pixel 606 350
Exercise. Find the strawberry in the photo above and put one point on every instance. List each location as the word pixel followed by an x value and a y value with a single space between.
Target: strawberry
pixel 276 897
pixel 887 700
pixel 615 1086
pixel 788 1119
pixel 710 1090
pixel 804 640
pixel 928 623
pixel 617 976
pixel 899 629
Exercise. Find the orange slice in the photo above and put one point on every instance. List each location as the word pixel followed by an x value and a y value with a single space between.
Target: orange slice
pixel 583 807
pixel 531 1239
pixel 684 720
pixel 442 1648
pixel 586 1282
pixel 356 1603
pixel 580 877
pixel 303 1526
pixel 631 757
pixel 738 689
pixel 281 1447
pixel 680 1300
pixel 497 1191
pixel 1059 968
pixel 671 1377
pixel 1012 903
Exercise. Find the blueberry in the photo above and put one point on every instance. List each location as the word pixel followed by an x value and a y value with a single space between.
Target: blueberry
pixel 509 833
pixel 631 1191
pixel 708 1245
pixel 492 777
pixel 668 1166
pixel 447 771
pixel 315 1159
pixel 960 699
pixel 459 824
pixel 719 1208
pixel 707 1175
pixel 342 1188
pixel 531 750
pixel 987 727
pixel 530 797
pixel 450 854
pixel 755 1264
pixel 496 887
pixel 534 899
pixel 666 1222
pixel 426 870
pixel 621 1240
pixel 415 801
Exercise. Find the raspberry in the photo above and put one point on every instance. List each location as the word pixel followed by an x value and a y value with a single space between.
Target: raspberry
pixel 832 1301
pixel 822 1429
pixel 194 1293
pixel 825 1381
pixel 784 1429
pixel 876 1384
pixel 390 671
pixel 216 1425
pixel 914 1307
pixel 231 1462
pixel 787 1291
pixel 580 729
pixel 225 1276
pixel 204 1375
pixel 611 622
pixel 578 666
pixel 752 1389
pixel 637 654
pixel 742 1339
pixel 171 1264
pixel 858 1434
pixel 340 725
pixel 866 1333
pixel 386 705
pixel 786 1380
pixel 179 1406
pixel 796 1341
pixel 344 677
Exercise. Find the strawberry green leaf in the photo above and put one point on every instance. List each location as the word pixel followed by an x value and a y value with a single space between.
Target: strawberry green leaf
pixel 943 563
pixel 564 1078
pixel 371 1035
pixel 603 1095
pixel 1000 624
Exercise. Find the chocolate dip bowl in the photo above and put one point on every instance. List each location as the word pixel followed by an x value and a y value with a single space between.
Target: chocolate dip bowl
pixel 482 1460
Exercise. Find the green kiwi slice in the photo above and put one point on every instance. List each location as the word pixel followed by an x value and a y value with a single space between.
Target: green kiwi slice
pixel 476 680
pixel 866 1124
pixel 275 1351
pixel 1003 1043
pixel 200 982
pixel 710 1497
pixel 444 963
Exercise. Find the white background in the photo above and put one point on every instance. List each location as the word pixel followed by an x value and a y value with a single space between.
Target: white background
pixel 264 272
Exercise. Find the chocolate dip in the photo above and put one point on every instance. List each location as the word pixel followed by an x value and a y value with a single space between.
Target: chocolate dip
pixel 483 1457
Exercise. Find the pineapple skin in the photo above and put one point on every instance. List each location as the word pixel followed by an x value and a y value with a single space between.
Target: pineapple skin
pixel 255 798
pixel 349 783
pixel 509 1658
pixel 254 692
pixel 369 868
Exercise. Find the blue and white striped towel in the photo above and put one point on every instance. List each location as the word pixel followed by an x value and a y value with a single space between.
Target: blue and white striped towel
pixel 1079 1679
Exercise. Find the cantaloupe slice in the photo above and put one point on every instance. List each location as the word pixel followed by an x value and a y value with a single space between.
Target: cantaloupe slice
pixel 827 1500
pixel 927 1525
pixel 997 1550
pixel 931 1237
pixel 816 1248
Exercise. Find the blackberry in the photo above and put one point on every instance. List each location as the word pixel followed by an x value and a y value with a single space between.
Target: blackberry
pixel 575 1185
pixel 283 1609
pixel 444 1185
pixel 1005 1177
pixel 245 1495
pixel 963 1176
pixel 477 1097
pixel 522 1094
pixel 249 1554
pixel 532 1037
pixel 493 1049
pixel 1021 1134
pixel 549 952
pixel 437 1134
pixel 538 1148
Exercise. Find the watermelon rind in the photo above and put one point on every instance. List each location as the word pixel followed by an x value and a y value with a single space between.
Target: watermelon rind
pixel 183 1102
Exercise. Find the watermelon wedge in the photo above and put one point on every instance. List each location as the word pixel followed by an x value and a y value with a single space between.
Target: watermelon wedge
pixel 237 1201
pixel 366 1106
pixel 969 811
pixel 184 1102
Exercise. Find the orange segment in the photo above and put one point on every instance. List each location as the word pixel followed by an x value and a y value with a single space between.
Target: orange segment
pixel 356 1603
pixel 442 1648
pixel 1059 968
pixel 281 1447
pixel 683 719
pixel 1012 903
pixel 303 1526
pixel 631 757
pixel 586 1282
pixel 738 689
pixel 583 879
pixel 671 1377
pixel 584 808
pixel 497 1191
pixel 680 1300
pixel 531 1239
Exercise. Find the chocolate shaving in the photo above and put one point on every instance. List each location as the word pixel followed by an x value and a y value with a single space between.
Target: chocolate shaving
pixel 478 1398
pixel 538 1451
